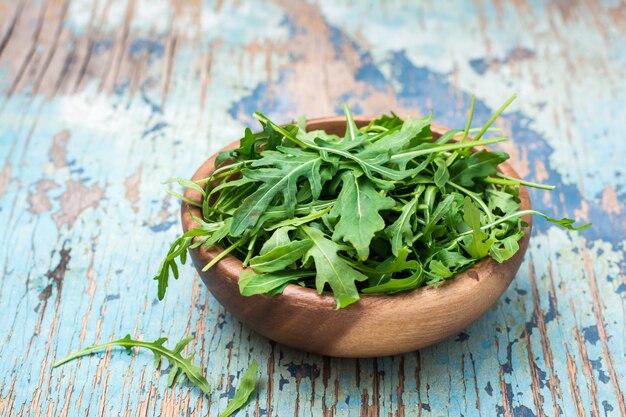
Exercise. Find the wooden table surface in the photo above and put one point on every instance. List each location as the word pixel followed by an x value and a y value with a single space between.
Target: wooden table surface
pixel 102 100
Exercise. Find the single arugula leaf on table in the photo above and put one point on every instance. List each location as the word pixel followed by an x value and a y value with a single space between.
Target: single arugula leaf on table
pixel 246 387
pixel 181 366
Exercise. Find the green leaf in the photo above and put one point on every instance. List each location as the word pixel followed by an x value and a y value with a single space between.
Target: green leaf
pixel 281 178
pixel 247 384
pixel 479 165
pixel 504 249
pixel 331 269
pixel 477 244
pixel 439 269
pixel 506 202
pixel 395 285
pixel 357 207
pixel 388 122
pixel 441 175
pixel 252 284
pixel 453 259
pixel 565 222
pixel 183 182
pixel 180 364
pixel 247 144
pixel 413 130
pixel 400 232
pixel 352 132
pixel 443 208
pixel 280 257
pixel 280 237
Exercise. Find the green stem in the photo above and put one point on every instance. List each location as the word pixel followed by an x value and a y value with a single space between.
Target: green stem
pixel 526 183
pixel 469 119
pixel 283 131
pixel 183 198
pixel 448 147
pixel 250 251
pixel 223 254
pixel 122 343
pixel 219 170
pixel 476 198
pixel 493 118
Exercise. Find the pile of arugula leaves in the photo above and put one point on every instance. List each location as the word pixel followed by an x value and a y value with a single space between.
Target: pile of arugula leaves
pixel 386 208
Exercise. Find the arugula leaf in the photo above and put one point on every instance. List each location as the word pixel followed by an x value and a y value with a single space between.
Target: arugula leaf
pixel 181 366
pixel 352 132
pixel 357 207
pixel 400 232
pixel 478 243
pixel 331 269
pixel 387 122
pixel 438 271
pixel 247 384
pixel 565 222
pixel 506 202
pixel 282 178
pixel 480 164
pixel 442 175
pixel 505 248
pixel 280 237
pixel 395 285
pixel 252 284
pixel 280 257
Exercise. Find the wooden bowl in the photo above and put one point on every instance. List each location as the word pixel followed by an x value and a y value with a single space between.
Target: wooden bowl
pixel 377 324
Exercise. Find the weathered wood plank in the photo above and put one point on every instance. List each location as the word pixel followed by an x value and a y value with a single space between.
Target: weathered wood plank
pixel 102 100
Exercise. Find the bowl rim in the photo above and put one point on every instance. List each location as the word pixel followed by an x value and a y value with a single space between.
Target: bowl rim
pixel 231 267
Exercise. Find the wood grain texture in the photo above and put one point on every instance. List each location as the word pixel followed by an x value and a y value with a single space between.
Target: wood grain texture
pixel 101 100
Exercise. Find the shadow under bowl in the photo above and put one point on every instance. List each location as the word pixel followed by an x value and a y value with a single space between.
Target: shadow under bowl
pixel 377 324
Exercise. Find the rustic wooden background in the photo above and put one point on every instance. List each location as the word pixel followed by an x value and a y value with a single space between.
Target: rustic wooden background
pixel 102 100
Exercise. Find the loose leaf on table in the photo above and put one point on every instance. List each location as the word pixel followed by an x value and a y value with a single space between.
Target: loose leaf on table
pixel 331 269
pixel 478 243
pixel 253 284
pixel 280 257
pixel 479 165
pixel 357 207
pixel 246 387
pixel 180 364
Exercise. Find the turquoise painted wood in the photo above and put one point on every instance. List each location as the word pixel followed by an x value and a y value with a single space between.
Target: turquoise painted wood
pixel 102 100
